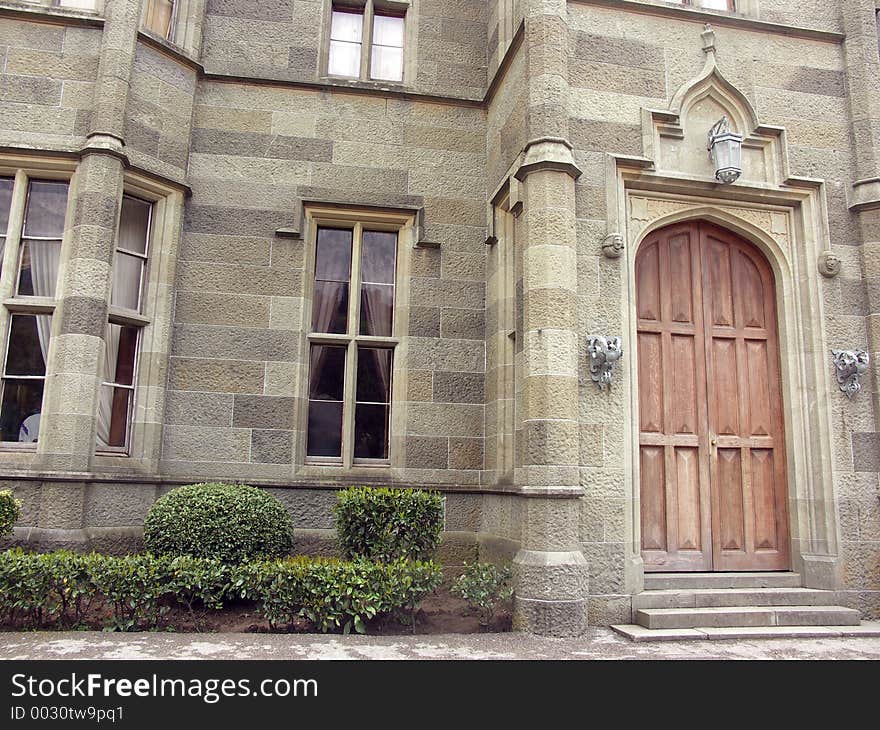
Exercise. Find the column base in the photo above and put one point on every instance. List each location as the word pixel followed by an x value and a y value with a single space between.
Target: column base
pixel 550 618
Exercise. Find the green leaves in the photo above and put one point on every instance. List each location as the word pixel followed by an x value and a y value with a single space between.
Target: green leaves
pixel 483 586
pixel 334 595
pixel 10 509
pixel 385 524
pixel 228 522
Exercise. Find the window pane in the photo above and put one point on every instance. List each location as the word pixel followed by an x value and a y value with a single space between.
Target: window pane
pixel 158 17
pixel 332 272
pixel 374 375
pixel 377 261
pixel 388 31
pixel 386 64
pixel 120 347
pixel 326 372
pixel 20 411
pixel 325 429
pixel 330 308
pixel 114 416
pixel 371 431
pixel 28 344
pixel 345 59
pixel 333 259
pixel 80 4
pixel 126 281
pixel 6 184
pixel 377 309
pixel 38 275
pixel 346 26
pixel 134 225
pixel 714 4
pixel 45 209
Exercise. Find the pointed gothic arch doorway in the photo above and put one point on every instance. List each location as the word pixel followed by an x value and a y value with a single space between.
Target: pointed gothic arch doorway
pixel 713 487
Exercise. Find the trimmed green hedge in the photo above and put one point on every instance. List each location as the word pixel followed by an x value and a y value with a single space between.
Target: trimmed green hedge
pixel 228 522
pixel 386 524
pixel 333 594
pixel 10 509
pixel 56 589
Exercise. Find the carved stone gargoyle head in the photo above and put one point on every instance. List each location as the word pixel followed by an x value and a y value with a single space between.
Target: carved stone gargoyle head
pixel 850 365
pixel 604 352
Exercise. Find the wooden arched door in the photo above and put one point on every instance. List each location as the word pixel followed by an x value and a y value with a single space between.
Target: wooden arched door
pixel 711 434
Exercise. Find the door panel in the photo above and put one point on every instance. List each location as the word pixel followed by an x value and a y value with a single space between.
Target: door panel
pixel 713 483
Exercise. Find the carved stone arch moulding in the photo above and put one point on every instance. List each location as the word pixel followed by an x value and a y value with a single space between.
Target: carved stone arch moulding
pixel 675 138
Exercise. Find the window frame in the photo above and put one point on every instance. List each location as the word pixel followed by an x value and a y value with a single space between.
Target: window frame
pixel 358 220
pixel 23 171
pixel 172 22
pixel 130 317
pixel 368 9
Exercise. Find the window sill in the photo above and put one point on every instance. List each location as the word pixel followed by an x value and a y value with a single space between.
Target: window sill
pixel 345 82
pixel 170 47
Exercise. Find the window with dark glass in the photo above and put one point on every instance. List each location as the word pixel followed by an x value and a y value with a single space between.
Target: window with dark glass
pixel 352 347
pixel 121 337
pixel 32 228
pixel 366 42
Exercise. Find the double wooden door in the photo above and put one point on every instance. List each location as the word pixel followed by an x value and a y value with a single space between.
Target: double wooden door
pixel 711 441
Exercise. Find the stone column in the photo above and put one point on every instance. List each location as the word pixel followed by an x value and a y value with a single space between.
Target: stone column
pixel 550 569
pixel 76 355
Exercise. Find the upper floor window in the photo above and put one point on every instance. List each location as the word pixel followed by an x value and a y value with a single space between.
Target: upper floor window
pixel 352 342
pixel 159 17
pixel 708 4
pixel 366 42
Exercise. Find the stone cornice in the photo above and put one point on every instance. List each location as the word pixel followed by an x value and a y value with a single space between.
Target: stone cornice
pixel 718 18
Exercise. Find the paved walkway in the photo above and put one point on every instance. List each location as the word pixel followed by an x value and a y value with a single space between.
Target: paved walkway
pixel 599 643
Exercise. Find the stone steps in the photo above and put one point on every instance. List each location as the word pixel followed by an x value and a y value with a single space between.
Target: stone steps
pixel 705 598
pixel 634 632
pixel 684 606
pixel 738 616
pixel 690 581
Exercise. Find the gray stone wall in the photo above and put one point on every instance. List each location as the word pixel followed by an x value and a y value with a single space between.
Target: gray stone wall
pixel 47 84
pixel 285 39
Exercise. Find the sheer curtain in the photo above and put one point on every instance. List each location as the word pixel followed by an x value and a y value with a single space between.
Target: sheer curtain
pixel 45 261
pixel 105 401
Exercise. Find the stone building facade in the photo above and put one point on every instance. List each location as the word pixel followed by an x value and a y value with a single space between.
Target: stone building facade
pixel 307 244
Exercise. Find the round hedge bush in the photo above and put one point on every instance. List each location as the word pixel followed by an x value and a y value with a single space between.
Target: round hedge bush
pixel 229 522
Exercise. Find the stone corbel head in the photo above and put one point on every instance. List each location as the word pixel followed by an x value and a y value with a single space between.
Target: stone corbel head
pixel 829 264
pixel 850 365
pixel 612 246
pixel 604 353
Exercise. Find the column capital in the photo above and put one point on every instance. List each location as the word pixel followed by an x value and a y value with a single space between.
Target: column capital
pixel 548 153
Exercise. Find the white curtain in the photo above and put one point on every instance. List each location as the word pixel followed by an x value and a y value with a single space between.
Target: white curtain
pixel 45 259
pixel 105 401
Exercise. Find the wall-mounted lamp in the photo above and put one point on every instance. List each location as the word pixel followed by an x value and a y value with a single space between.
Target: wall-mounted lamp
pixel 725 151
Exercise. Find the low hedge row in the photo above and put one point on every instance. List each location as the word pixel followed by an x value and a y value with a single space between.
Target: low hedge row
pixel 58 588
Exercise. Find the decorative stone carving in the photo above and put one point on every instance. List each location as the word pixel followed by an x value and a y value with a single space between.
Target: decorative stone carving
pixel 829 264
pixel 604 353
pixel 612 246
pixel 850 365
